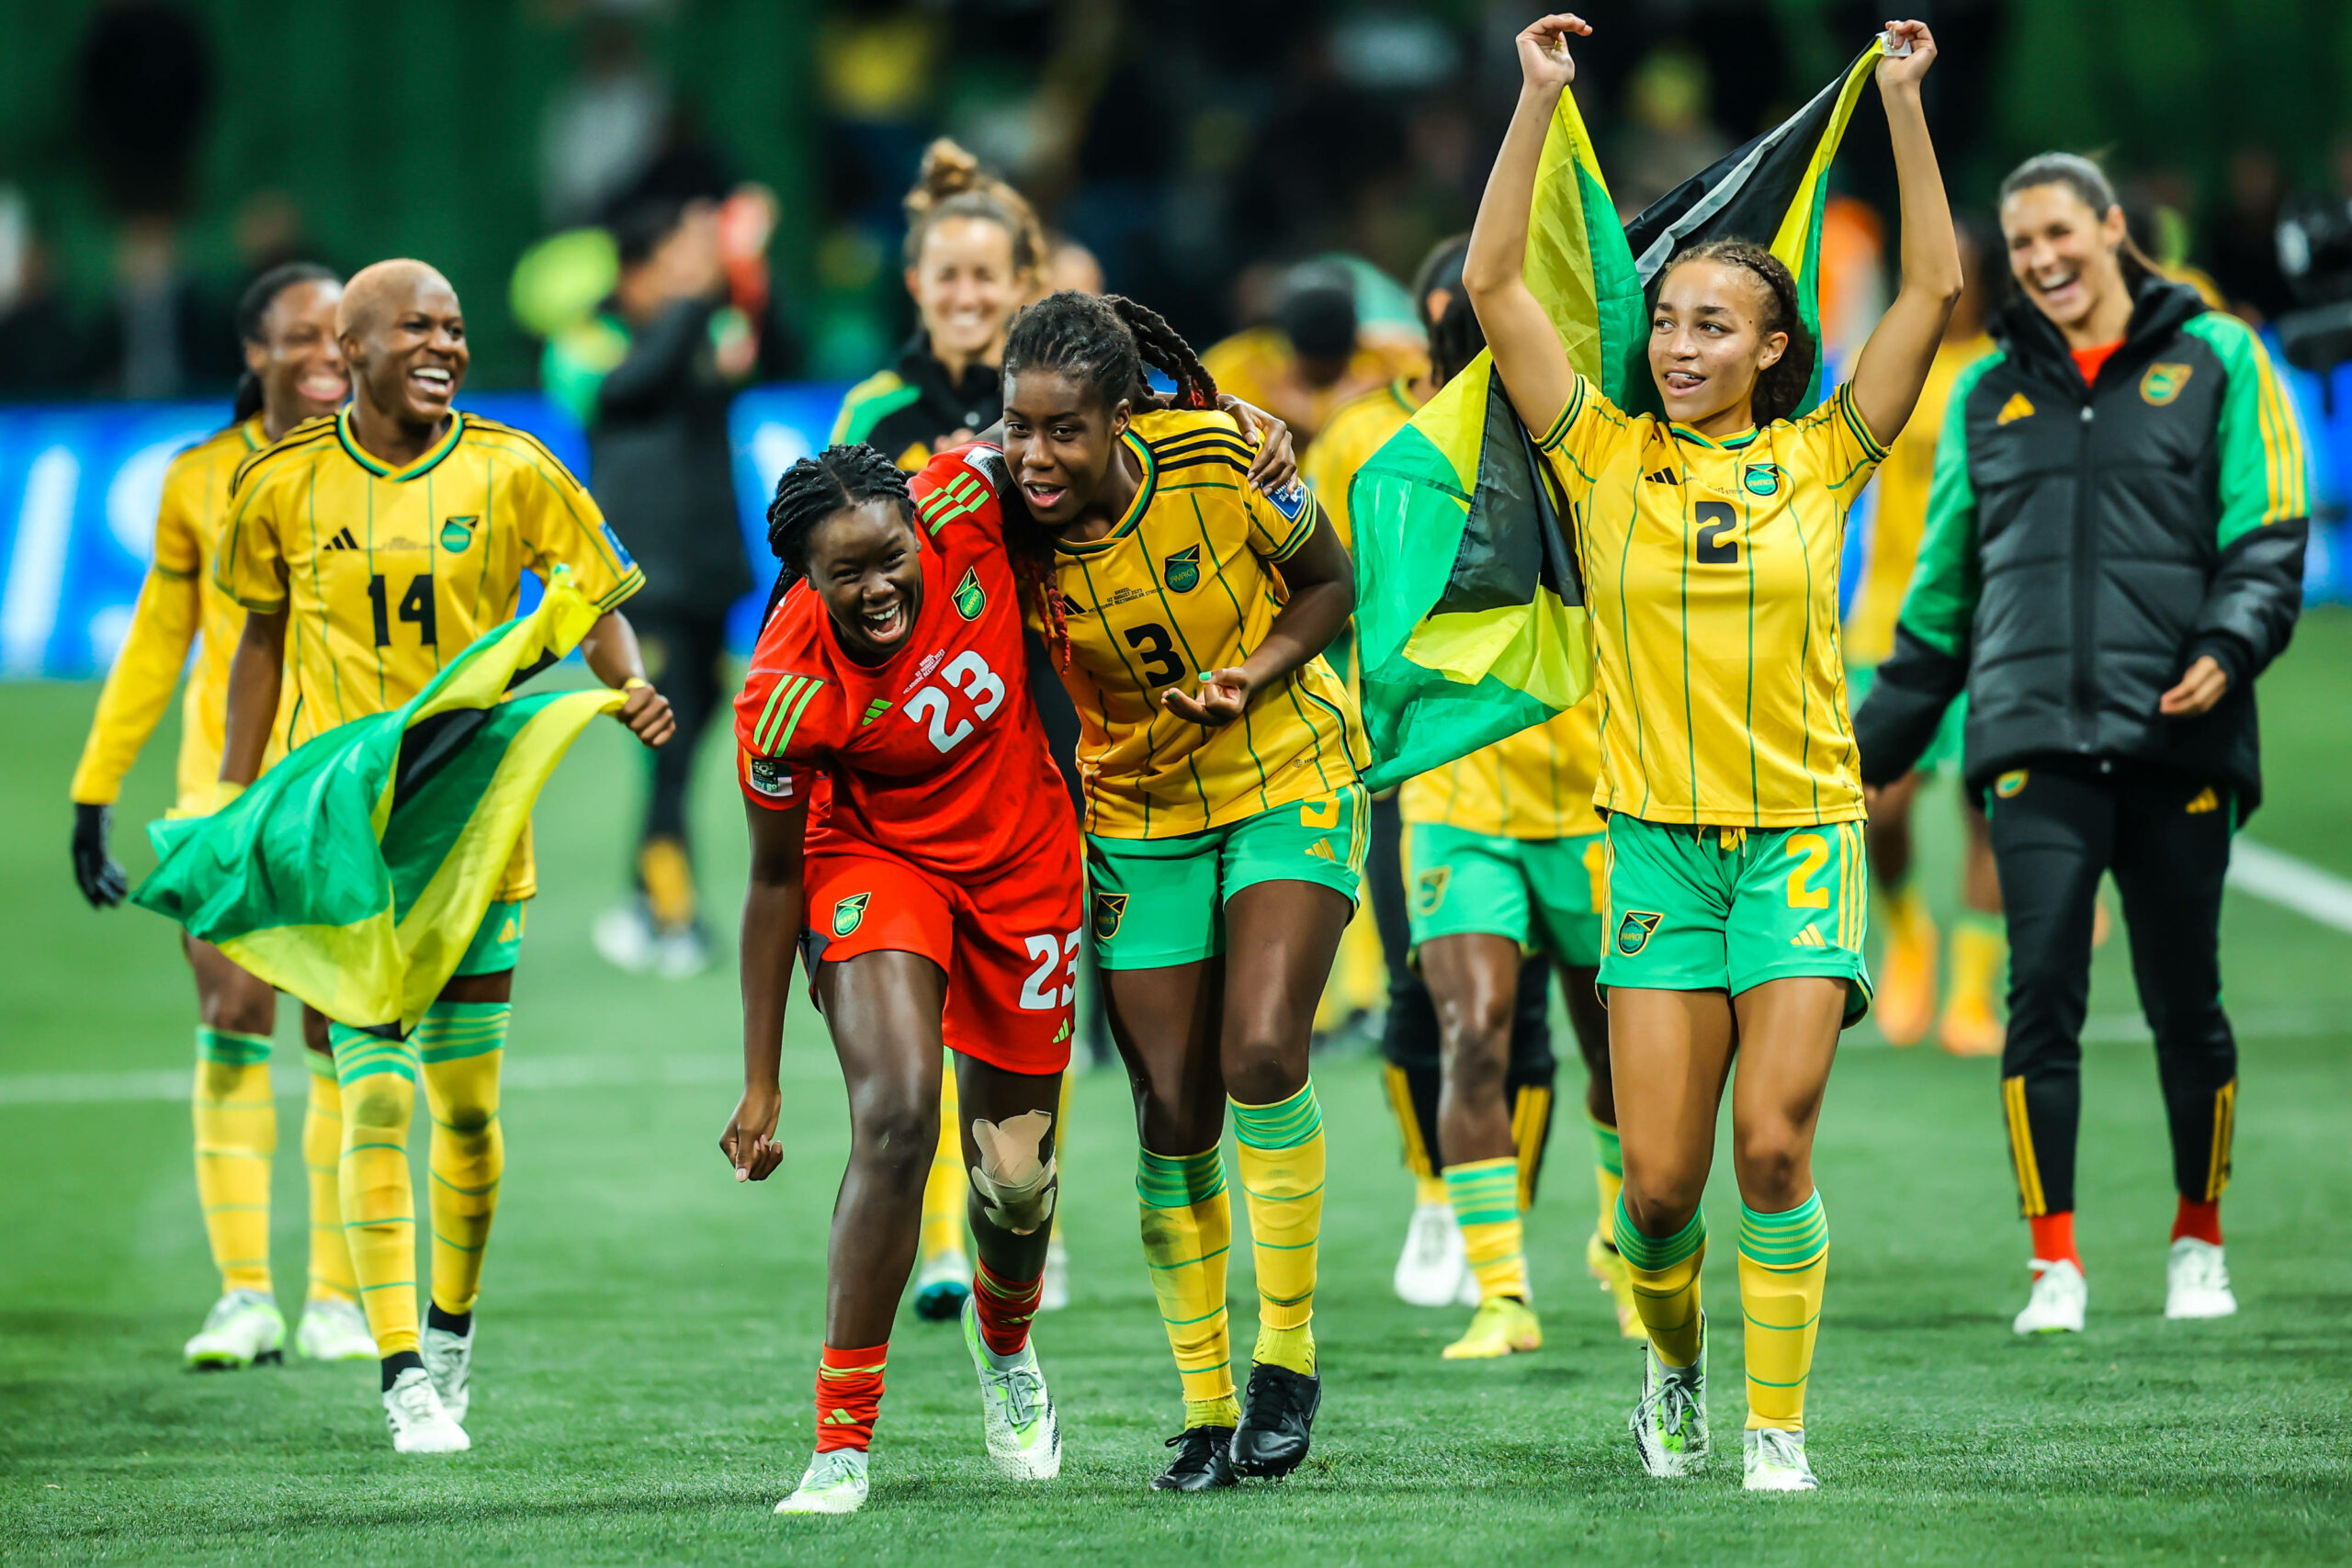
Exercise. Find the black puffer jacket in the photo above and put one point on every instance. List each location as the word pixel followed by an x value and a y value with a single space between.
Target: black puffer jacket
pixel 2085 545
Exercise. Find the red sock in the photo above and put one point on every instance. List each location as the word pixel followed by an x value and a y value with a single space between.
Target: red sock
pixel 1004 1308
pixel 2053 1239
pixel 2202 1220
pixel 849 1396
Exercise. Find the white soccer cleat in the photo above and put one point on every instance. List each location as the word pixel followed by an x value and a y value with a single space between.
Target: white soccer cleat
pixel 1773 1461
pixel 243 1327
pixel 625 936
pixel 449 1361
pixel 1669 1426
pixel 833 1484
pixel 419 1424
pixel 1053 1290
pixel 2197 1282
pixel 1017 1421
pixel 334 1330
pixel 2060 1295
pixel 1431 1271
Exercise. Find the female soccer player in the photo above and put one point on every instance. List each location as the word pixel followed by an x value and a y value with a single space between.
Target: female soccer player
pixel 294 372
pixel 1225 822
pixel 2114 552
pixel 939 897
pixel 1709 543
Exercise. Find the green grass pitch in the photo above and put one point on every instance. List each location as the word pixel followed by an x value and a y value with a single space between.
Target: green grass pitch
pixel 649 1328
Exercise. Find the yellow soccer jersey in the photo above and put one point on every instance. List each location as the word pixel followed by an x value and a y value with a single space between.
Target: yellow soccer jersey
pixel 1359 429
pixel 178 604
pixel 1901 515
pixel 389 574
pixel 1711 569
pixel 1187 582
pixel 1535 785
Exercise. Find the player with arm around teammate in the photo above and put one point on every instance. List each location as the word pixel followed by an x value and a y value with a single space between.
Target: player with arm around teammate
pixel 936 902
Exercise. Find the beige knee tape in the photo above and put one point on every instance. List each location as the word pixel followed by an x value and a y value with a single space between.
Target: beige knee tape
pixel 1016 1191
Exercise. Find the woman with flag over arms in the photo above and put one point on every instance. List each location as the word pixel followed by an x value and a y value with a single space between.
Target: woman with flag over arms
pixel 1708 541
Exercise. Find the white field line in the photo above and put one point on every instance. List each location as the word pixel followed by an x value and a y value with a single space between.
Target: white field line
pixel 2294 883
pixel 289 1077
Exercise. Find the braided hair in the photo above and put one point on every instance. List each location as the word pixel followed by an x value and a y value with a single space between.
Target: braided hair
pixel 253 318
pixel 1101 343
pixel 814 488
pixel 1779 386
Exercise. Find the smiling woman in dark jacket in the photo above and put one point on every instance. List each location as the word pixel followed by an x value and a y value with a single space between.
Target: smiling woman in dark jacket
pixel 2114 552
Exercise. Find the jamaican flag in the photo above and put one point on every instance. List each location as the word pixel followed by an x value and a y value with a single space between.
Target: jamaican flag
pixel 354 872
pixel 1469 614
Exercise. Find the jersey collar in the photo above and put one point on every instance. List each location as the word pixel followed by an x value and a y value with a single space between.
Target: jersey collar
pixel 376 465
pixel 251 430
pixel 1728 444
pixel 1136 508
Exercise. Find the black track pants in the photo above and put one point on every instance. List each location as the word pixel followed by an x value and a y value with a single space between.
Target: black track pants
pixel 2167 840
pixel 682 655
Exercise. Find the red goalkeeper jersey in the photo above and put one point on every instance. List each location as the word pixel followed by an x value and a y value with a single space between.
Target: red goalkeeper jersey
pixel 936 756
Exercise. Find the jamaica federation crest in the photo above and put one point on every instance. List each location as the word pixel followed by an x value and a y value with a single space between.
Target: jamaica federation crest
pixel 970 597
pixel 849 913
pixel 1181 572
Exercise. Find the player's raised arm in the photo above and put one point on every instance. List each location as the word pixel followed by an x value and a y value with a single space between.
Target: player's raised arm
pixel 1528 351
pixel 1894 364
pixel 772 916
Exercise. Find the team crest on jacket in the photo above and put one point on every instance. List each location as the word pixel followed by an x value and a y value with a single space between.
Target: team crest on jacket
pixel 970 597
pixel 849 913
pixel 1110 908
pixel 457 532
pixel 1181 571
pixel 1762 478
pixel 2162 382
pixel 1633 930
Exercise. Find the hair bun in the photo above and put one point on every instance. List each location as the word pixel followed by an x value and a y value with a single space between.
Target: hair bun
pixel 948 169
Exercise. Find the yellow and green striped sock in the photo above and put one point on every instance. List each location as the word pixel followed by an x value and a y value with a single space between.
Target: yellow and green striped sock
pixel 462 1045
pixel 1485 1194
pixel 945 1189
pixel 1665 1271
pixel 1608 1173
pixel 321 1157
pixel 1187 1236
pixel 1784 1268
pixel 378 1081
pixel 1280 1157
pixel 236 1130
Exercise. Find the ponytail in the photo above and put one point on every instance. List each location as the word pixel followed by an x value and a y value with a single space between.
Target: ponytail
pixel 1780 387
pixel 253 322
pixel 248 400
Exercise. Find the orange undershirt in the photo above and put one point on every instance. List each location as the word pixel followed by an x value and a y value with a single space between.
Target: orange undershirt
pixel 2088 360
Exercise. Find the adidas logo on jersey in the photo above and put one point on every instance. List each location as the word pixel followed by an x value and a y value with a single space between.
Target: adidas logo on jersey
pixel 1664 477
pixel 2205 800
pixel 875 710
pixel 342 541
pixel 1807 938
pixel 2019 407
pixel 1321 849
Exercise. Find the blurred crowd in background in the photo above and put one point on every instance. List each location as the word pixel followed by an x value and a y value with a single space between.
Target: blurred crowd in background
pixel 156 154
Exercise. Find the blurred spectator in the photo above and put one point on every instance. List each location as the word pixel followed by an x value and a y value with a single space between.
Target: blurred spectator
pixel 2245 236
pixel 146 84
pixel 41 350
pixel 1069 264
pixel 652 377
pixel 153 339
pixel 604 128
pixel 1667 136
pixel 1315 355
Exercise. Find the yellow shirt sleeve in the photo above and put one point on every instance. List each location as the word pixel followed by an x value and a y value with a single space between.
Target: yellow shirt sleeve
pixel 1837 447
pixel 153 652
pixel 250 566
pixel 562 527
pixel 1281 524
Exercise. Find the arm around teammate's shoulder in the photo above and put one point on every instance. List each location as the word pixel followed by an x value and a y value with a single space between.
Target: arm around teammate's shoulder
pixel 1894 362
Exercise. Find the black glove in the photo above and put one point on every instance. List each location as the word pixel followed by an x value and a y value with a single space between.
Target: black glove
pixel 98 875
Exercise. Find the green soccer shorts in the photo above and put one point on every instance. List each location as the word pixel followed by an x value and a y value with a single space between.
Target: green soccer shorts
pixel 1543 894
pixel 497 942
pixel 1155 902
pixel 1725 908
pixel 1944 749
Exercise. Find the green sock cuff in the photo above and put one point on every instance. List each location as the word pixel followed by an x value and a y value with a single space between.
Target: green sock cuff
pixel 1607 1149
pixel 1178 1181
pixel 451 1031
pixel 1484 1192
pixel 1284 1124
pixel 321 1062
pixel 227 1048
pixel 1787 1240
pixel 1654 1253
pixel 357 1054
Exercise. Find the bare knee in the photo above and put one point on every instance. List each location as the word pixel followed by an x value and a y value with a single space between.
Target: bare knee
pixel 1774 1161
pixel 1264 1067
pixel 1662 1194
pixel 894 1131
pixel 241 1010
pixel 1476 1039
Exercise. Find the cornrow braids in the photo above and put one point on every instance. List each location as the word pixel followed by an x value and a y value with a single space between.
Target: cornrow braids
pixel 1163 349
pixel 1780 385
pixel 814 488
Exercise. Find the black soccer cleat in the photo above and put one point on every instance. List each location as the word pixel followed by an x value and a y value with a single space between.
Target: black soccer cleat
pixel 1277 1421
pixel 1201 1463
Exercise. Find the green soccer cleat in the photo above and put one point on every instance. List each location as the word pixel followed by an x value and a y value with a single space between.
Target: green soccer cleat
pixel 1669 1426
pixel 1017 1421
pixel 1774 1461
pixel 834 1482
pixel 334 1330
pixel 941 1284
pixel 243 1327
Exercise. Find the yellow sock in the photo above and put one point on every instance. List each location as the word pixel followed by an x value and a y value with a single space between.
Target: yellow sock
pixel 1429 1187
pixel 1665 1271
pixel 1061 1124
pixel 462 1045
pixel 944 1190
pixel 1187 1236
pixel 378 1081
pixel 668 878
pixel 236 1129
pixel 1783 1266
pixel 1485 1205
pixel 1280 1157
pixel 1530 1130
pixel 322 1157
pixel 1608 1176
pixel 1980 945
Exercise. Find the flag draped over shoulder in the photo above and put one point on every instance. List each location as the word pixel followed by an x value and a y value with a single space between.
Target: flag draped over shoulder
pixel 354 872
pixel 1470 618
